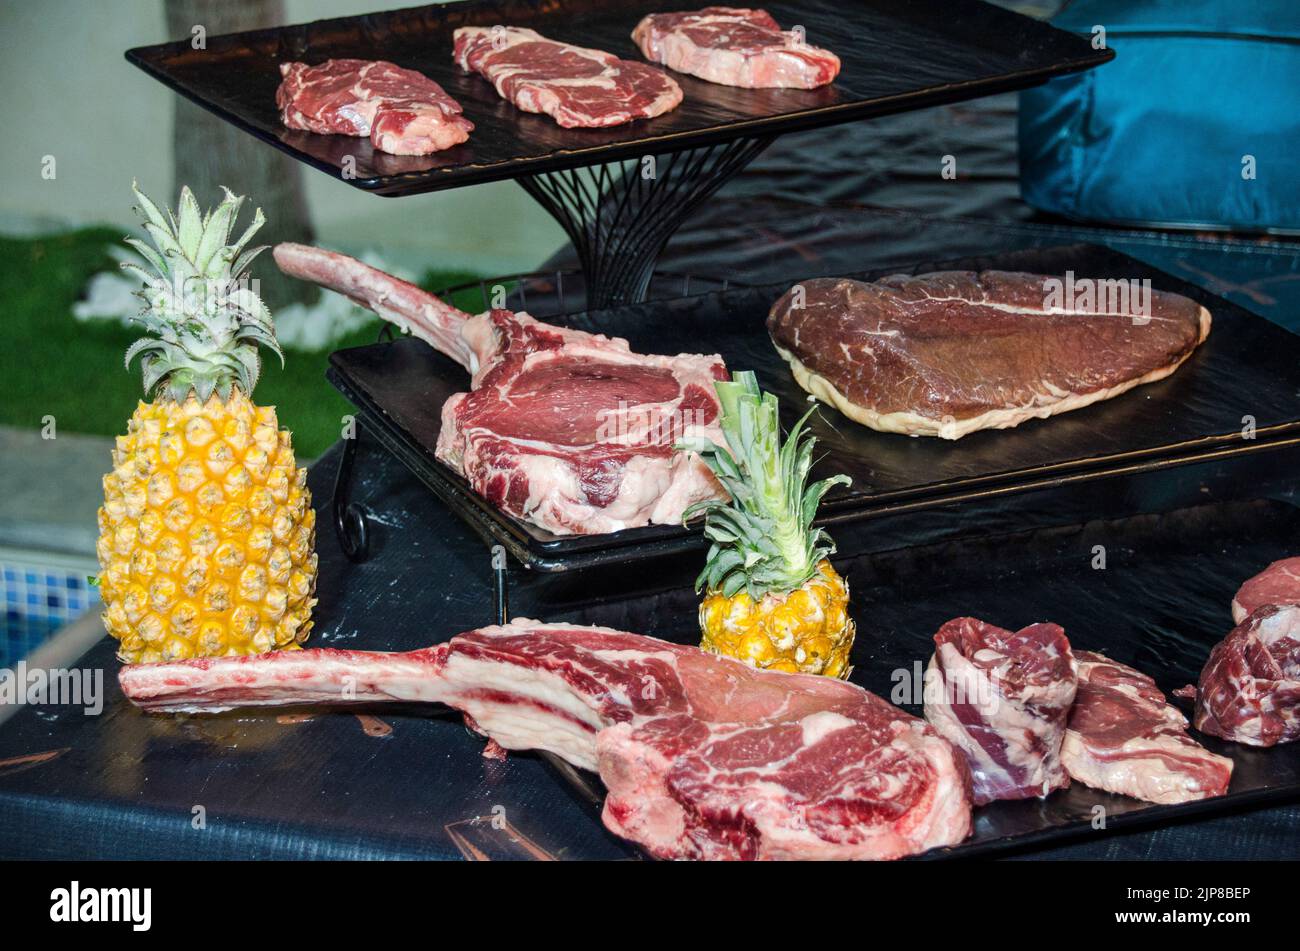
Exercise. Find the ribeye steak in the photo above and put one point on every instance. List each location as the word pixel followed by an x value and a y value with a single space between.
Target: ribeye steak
pixel 568 430
pixel 948 353
pixel 1249 691
pixel 1279 583
pixel 734 47
pixel 575 86
pixel 403 112
pixel 1003 699
pixel 1123 737
pixel 702 756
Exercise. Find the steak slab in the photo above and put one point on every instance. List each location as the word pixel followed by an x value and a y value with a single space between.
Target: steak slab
pixel 1249 691
pixel 1279 583
pixel 1123 737
pixel 948 353
pixel 734 47
pixel 1003 699
pixel 570 431
pixel 402 111
pixel 703 756
pixel 575 86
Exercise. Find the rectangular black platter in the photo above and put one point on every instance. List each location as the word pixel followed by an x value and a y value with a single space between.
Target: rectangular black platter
pixel 896 54
pixel 1248 367
pixel 1160 604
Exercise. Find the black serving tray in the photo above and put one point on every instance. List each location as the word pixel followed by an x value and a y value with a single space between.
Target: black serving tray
pixel 1159 605
pixel 897 55
pixel 1248 367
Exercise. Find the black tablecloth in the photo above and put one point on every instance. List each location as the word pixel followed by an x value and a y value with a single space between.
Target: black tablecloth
pixel 408 783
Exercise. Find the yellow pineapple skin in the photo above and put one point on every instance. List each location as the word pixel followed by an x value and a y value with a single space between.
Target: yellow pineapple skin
pixel 806 631
pixel 207 535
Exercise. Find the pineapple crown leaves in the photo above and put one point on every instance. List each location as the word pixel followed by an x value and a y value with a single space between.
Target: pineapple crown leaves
pixel 763 539
pixel 205 320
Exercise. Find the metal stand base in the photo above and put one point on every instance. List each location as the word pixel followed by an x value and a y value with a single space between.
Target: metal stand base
pixel 501 583
pixel 619 215
pixel 351 520
pixel 352 527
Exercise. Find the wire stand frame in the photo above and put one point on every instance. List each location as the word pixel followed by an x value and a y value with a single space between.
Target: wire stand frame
pixel 620 215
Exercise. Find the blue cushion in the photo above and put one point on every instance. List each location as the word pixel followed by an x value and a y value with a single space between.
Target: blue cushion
pixel 1160 134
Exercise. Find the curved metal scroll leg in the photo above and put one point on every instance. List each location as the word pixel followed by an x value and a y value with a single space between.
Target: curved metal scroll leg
pixel 351 520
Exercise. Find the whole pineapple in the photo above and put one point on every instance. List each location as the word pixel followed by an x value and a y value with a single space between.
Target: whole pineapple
pixel 772 597
pixel 207 534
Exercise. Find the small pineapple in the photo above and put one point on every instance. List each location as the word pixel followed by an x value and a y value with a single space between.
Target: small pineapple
pixel 772 598
pixel 207 534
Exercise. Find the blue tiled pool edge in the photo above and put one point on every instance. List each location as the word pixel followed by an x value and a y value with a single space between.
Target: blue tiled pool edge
pixel 41 593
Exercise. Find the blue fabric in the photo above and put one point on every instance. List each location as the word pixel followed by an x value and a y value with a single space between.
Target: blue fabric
pixel 1159 134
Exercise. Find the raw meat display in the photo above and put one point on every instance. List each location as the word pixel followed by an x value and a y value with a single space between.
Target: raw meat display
pixel 703 756
pixel 402 111
pixel 1249 691
pixel 577 87
pixel 1279 583
pixel 1003 699
pixel 570 431
pixel 734 47
pixel 1124 738
pixel 948 353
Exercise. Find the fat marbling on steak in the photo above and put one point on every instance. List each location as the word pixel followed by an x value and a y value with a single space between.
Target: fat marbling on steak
pixel 402 111
pixel 571 431
pixel 1003 699
pixel 1123 737
pixel 1279 583
pixel 703 757
pixel 735 47
pixel 947 353
pixel 575 86
pixel 1249 691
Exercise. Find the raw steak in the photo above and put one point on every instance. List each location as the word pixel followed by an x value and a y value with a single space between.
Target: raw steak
pixel 1003 700
pixel 1249 690
pixel 577 87
pixel 1124 738
pixel 1279 583
pixel 948 353
pixel 703 756
pixel 734 47
pixel 568 430
pixel 403 112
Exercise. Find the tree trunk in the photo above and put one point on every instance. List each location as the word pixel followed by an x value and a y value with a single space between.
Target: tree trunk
pixel 209 152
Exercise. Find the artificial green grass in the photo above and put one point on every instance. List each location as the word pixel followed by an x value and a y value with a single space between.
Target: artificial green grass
pixel 55 365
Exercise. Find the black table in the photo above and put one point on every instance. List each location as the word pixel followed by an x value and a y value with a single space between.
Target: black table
pixel 412 783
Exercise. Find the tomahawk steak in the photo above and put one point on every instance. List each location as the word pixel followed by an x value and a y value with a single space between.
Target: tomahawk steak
pixel 1124 738
pixel 947 353
pixel 735 47
pixel 1279 583
pixel 703 757
pixel 1249 691
pixel 575 86
pixel 568 430
pixel 403 112
pixel 1003 699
